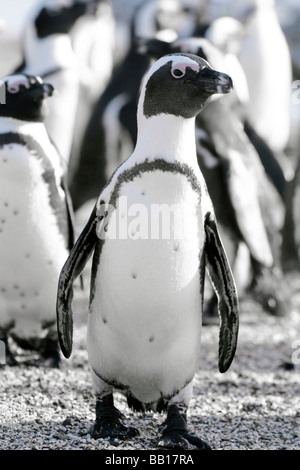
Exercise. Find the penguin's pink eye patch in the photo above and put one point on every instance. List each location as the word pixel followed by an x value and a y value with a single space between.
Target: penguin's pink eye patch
pixel 15 82
pixel 178 69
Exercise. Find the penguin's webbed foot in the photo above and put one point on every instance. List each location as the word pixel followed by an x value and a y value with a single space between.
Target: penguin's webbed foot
pixel 175 434
pixel 182 440
pixel 109 421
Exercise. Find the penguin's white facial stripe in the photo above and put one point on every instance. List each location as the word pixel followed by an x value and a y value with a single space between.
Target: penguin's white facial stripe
pixel 179 67
pixel 14 83
pixel 178 70
pixel 178 62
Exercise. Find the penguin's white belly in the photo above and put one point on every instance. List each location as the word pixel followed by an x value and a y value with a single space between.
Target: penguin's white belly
pixel 32 249
pixel 145 316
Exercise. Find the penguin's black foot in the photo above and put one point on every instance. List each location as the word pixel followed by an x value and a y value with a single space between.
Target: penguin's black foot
pixel 109 421
pixel 175 434
pixel 182 440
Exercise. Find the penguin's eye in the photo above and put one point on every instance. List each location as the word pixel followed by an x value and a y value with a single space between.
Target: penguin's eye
pixel 13 89
pixel 177 73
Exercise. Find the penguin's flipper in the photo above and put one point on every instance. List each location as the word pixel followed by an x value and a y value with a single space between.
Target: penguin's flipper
pixel 222 280
pixel 72 268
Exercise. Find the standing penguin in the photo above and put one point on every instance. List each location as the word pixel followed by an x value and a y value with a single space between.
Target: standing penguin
pixel 35 220
pixel 147 279
pixel 48 52
pixel 249 211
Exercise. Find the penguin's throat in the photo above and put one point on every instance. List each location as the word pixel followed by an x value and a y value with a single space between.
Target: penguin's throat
pixel 166 136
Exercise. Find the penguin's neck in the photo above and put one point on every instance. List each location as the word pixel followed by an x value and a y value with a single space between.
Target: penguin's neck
pixel 44 55
pixel 166 136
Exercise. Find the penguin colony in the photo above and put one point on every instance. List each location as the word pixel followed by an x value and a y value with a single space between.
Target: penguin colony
pixel 169 131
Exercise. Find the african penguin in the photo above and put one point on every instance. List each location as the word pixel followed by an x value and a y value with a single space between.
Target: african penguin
pixel 247 205
pixel 227 33
pixel 263 45
pixel 48 52
pixel 153 232
pixel 111 131
pixel 35 220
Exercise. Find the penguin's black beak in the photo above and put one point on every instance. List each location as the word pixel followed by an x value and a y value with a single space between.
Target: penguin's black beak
pixel 42 90
pixel 210 81
pixel 48 90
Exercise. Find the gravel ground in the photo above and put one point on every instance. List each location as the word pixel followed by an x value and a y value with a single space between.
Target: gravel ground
pixel 255 405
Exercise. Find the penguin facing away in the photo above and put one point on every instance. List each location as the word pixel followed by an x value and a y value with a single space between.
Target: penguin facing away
pixel 144 320
pixel 35 220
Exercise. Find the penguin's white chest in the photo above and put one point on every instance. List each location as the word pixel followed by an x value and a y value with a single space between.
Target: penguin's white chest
pixel 32 249
pixel 145 313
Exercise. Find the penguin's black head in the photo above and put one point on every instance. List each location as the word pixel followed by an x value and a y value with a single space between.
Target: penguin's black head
pixel 182 85
pixel 60 15
pixel 24 97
